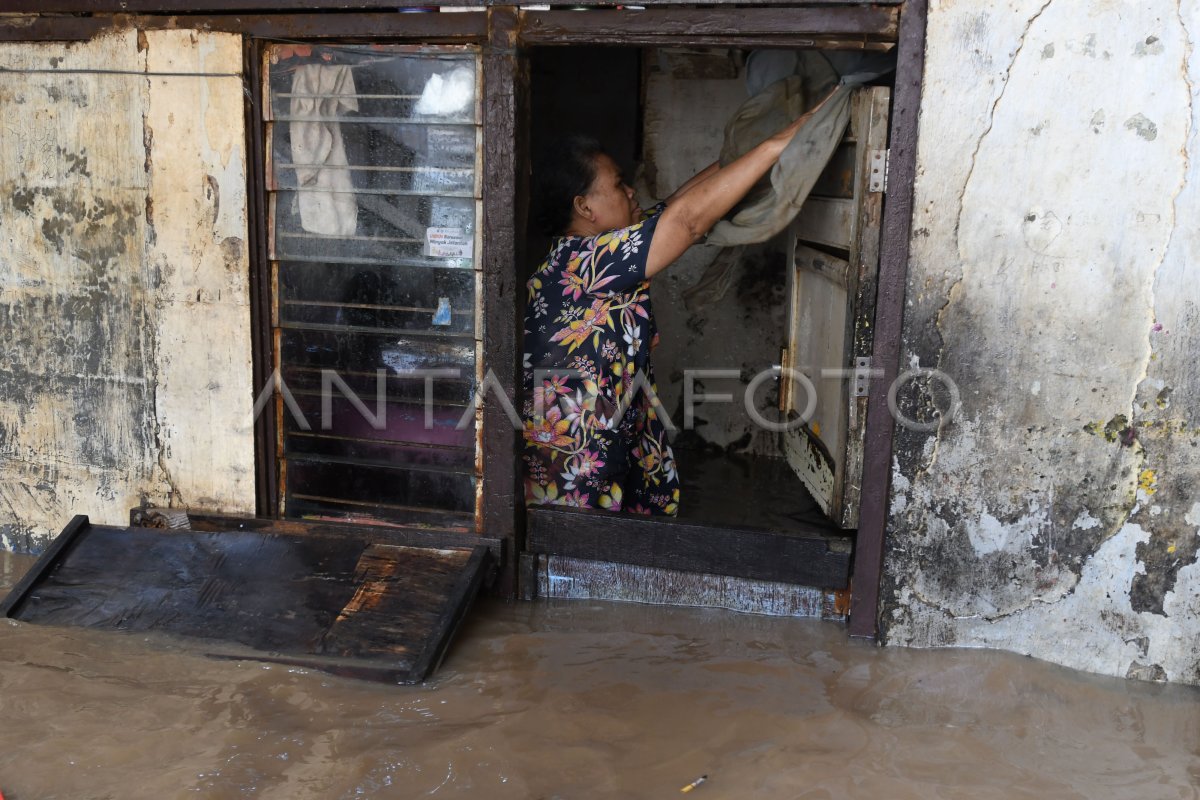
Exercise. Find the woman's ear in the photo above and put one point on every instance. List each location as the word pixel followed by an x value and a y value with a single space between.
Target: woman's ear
pixel 582 209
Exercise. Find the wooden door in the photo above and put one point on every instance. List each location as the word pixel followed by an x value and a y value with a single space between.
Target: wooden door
pixel 833 250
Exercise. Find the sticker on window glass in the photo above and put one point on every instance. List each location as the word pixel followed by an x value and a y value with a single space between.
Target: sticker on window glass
pixel 442 315
pixel 430 180
pixel 448 243
pixel 450 144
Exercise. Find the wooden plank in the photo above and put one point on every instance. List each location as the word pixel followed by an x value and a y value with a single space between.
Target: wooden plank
pixel 625 27
pixel 51 29
pixel 194 6
pixel 829 306
pixel 870 116
pixel 447 28
pixel 889 319
pixel 812 464
pixel 47 561
pixel 377 534
pixel 812 560
pixel 749 3
pixel 337 603
pixel 828 221
pixel 266 461
pixel 197 6
pixel 757 3
pixel 402 590
pixel 731 39
pixel 831 268
pixel 454 611
pixel 505 83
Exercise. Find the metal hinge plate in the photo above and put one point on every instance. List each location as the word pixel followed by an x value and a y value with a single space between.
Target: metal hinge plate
pixel 879 170
pixel 862 376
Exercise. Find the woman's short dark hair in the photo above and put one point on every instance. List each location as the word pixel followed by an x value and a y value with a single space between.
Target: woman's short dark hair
pixel 564 171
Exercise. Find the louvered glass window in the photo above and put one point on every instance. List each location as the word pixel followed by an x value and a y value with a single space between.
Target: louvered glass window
pixel 374 190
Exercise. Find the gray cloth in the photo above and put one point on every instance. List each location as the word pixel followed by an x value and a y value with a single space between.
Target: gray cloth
pixel 783 84
pixel 716 280
pixel 768 209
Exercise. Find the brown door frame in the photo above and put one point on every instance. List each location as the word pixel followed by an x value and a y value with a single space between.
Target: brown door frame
pixel 777 26
pixel 889 320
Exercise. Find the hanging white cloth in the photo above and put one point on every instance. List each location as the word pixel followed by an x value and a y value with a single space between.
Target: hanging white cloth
pixel 327 202
pixel 447 95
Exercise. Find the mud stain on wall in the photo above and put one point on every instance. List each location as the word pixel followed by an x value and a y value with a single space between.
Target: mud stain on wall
pixel 1049 280
pixel 99 398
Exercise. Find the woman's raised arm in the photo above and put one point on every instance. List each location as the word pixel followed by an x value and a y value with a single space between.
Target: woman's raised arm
pixel 692 181
pixel 707 197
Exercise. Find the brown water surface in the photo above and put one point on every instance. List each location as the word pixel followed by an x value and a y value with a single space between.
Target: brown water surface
pixel 575 699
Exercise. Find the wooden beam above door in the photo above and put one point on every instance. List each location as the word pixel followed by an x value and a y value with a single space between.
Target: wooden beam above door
pixel 278 6
pixel 859 24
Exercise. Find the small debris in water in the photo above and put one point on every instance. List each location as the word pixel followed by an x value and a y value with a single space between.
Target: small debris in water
pixel 694 783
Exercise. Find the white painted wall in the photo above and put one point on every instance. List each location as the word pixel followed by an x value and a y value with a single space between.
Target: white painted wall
pixel 1051 277
pixel 124 315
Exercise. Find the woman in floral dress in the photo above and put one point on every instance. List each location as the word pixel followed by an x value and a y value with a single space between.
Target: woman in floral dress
pixel 593 434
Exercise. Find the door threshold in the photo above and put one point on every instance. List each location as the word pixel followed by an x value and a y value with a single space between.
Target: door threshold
pixel 563 578
pixel 813 557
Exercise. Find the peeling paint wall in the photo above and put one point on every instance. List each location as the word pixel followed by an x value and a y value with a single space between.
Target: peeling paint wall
pixel 1051 277
pixel 125 349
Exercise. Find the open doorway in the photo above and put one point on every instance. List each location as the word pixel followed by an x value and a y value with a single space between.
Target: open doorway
pixel 729 319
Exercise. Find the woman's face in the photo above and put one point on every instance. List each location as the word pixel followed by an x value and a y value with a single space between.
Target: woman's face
pixel 609 200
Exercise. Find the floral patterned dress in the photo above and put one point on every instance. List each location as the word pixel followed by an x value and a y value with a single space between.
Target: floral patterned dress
pixel 592 436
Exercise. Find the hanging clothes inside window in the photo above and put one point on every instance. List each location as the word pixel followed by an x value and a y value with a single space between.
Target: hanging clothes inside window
pixel 320 94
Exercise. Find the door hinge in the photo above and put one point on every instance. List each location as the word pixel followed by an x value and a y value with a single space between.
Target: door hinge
pixel 879 171
pixel 862 376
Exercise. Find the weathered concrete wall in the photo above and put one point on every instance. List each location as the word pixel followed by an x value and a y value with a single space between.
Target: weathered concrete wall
pixel 1054 243
pixel 125 352
pixel 690 95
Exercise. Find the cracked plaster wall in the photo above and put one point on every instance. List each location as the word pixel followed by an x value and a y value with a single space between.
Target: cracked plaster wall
pixel 1051 277
pixel 125 353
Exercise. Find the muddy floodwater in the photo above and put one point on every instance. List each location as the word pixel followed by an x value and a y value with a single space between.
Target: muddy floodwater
pixel 574 699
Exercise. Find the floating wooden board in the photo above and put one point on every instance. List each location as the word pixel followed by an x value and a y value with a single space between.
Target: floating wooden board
pixel 345 604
